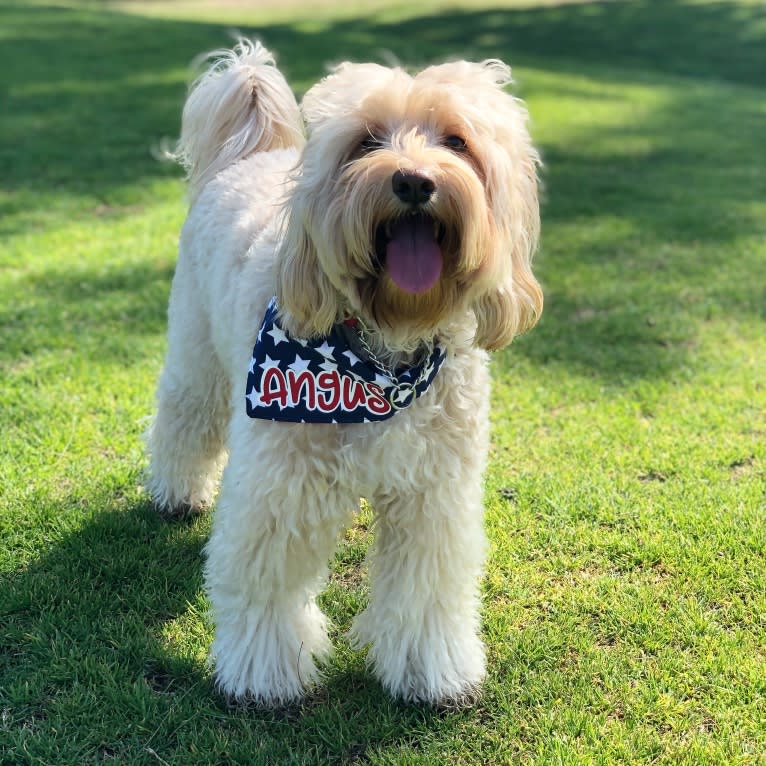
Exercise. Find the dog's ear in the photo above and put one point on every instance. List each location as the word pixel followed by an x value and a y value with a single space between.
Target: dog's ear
pixel 307 300
pixel 310 281
pixel 513 301
pixel 507 311
pixel 339 93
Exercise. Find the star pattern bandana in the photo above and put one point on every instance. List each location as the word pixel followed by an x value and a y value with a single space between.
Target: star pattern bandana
pixel 322 380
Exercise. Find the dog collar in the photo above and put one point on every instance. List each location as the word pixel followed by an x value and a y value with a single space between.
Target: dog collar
pixel 321 380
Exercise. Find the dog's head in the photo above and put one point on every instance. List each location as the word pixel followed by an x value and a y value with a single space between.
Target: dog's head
pixel 416 201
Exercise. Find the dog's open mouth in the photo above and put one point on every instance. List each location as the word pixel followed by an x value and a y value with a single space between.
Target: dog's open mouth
pixel 410 250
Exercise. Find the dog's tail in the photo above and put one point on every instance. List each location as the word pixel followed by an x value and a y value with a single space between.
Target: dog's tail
pixel 240 105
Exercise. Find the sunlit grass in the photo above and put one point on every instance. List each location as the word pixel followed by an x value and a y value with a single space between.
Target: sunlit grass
pixel 626 586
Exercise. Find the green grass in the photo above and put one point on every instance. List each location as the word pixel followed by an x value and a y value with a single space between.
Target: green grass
pixel 625 596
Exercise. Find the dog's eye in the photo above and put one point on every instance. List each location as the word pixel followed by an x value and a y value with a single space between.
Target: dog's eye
pixel 370 144
pixel 456 143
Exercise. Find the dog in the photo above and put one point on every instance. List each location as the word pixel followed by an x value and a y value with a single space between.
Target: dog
pixel 344 268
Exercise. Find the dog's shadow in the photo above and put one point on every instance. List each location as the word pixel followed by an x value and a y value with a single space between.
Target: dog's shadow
pixel 114 609
pixel 104 587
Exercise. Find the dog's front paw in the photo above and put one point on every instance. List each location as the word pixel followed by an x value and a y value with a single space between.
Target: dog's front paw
pixel 267 687
pixel 181 511
pixel 427 665
pixel 264 655
pixel 438 681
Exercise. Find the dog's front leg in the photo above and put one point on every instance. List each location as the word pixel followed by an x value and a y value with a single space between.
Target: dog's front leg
pixel 423 622
pixel 274 531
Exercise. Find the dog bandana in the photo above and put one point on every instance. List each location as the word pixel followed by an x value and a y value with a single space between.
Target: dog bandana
pixel 323 381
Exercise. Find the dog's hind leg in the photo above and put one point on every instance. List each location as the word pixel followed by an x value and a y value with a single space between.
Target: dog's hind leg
pixel 186 440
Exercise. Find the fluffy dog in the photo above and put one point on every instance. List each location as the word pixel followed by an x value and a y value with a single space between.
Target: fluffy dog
pixel 390 215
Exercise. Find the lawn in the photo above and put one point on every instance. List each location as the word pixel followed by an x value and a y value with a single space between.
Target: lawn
pixel 625 593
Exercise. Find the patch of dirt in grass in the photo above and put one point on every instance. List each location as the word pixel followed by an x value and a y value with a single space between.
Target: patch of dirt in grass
pixel 740 468
pixel 351 576
pixel 159 681
pixel 653 475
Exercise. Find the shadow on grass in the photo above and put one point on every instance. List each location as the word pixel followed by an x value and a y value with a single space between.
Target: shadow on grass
pixel 87 113
pixel 84 622
pixel 83 117
pixel 104 655
pixel 716 40
pixel 104 316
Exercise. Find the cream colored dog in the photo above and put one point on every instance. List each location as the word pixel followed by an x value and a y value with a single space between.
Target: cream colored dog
pixel 401 228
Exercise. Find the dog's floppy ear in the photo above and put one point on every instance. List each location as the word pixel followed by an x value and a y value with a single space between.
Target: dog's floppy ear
pixel 513 300
pixel 507 311
pixel 307 300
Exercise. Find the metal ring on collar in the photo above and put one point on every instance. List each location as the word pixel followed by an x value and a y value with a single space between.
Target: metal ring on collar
pixel 409 387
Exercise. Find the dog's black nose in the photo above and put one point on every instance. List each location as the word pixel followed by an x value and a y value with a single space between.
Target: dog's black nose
pixel 412 188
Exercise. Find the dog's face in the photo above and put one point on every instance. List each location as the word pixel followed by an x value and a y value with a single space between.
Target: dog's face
pixel 416 201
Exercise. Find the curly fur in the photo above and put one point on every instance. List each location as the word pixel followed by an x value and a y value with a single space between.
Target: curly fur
pixel 270 216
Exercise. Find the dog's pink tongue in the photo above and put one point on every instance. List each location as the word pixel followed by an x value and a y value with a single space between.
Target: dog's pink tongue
pixel 413 258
